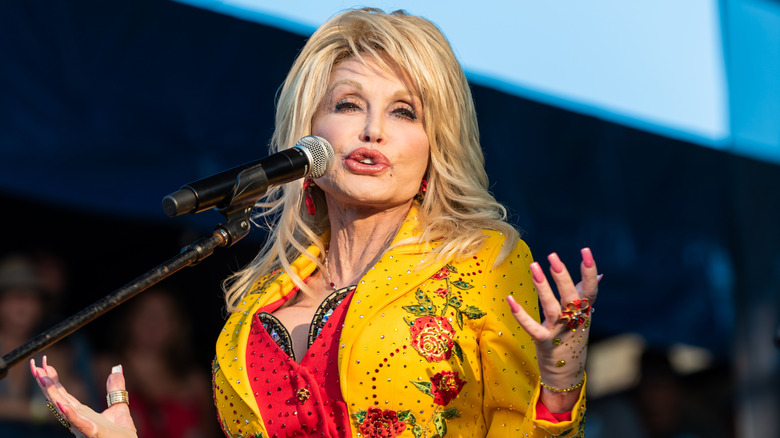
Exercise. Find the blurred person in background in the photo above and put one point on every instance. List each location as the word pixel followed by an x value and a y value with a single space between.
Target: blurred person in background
pixel 171 394
pixel 23 309
pixel 662 404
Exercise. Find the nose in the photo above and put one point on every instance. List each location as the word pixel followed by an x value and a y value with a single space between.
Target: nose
pixel 373 131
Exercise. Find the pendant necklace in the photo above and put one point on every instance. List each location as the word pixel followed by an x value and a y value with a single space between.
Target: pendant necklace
pixel 327 273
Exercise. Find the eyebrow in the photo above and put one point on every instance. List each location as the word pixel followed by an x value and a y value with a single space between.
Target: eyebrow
pixel 349 82
pixel 404 93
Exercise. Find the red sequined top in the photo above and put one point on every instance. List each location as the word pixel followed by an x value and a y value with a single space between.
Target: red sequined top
pixel 299 399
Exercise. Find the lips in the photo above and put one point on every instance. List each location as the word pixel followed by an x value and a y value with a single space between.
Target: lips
pixel 366 161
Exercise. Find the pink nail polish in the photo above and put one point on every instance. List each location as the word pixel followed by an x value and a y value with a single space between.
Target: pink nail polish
pixel 555 263
pixel 61 407
pixel 513 304
pixel 42 381
pixel 587 258
pixel 599 277
pixel 537 273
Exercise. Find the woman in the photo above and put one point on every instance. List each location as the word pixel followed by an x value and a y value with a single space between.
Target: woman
pixel 377 306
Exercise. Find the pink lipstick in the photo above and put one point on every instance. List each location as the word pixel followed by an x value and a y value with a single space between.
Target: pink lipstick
pixel 366 161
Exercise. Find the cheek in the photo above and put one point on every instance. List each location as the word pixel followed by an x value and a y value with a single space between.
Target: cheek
pixel 414 171
pixel 321 127
pixel 420 156
pixel 317 126
pixel 330 128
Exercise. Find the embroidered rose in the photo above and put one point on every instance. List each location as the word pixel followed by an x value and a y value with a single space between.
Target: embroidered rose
pixel 442 292
pixel 381 423
pixel 432 337
pixel 443 273
pixel 445 386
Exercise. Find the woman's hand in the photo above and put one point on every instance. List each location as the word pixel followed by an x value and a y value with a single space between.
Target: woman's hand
pixel 114 422
pixel 562 339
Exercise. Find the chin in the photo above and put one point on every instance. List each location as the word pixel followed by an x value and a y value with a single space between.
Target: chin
pixel 380 204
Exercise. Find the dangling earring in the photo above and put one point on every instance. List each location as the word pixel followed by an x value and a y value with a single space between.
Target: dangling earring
pixel 423 188
pixel 307 185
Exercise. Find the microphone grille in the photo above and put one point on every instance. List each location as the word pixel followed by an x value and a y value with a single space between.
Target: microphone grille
pixel 320 154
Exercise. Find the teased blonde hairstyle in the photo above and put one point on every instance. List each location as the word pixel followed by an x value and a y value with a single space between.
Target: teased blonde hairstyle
pixel 457 205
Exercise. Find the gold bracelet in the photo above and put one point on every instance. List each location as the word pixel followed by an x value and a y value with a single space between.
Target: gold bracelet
pixel 569 389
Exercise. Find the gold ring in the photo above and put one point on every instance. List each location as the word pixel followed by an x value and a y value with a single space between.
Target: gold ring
pixel 115 397
pixel 56 413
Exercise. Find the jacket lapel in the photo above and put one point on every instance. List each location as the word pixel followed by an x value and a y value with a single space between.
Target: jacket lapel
pixel 400 270
pixel 232 341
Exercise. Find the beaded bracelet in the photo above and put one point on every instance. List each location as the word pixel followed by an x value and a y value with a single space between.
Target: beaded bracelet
pixel 56 413
pixel 569 389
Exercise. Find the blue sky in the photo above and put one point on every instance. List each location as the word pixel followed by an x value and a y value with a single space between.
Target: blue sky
pixel 702 71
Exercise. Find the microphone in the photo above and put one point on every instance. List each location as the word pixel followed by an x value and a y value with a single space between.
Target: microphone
pixel 310 157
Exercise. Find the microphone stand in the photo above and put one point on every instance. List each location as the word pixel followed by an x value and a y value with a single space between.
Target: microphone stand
pixel 236 227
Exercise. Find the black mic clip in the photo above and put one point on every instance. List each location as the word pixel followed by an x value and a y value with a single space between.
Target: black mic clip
pixel 252 185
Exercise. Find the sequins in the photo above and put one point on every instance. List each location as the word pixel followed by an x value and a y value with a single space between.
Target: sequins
pixel 302 394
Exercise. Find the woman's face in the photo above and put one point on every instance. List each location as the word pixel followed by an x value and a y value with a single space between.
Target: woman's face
pixel 374 122
pixel 20 311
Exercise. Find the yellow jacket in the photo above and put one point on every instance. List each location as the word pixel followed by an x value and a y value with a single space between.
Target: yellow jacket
pixel 454 361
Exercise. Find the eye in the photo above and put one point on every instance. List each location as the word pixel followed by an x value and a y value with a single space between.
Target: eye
pixel 405 111
pixel 345 105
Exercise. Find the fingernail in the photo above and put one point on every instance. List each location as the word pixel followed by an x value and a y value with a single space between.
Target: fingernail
pixel 587 258
pixel 42 381
pixel 45 362
pixel 536 271
pixel 61 407
pixel 117 369
pixel 555 263
pixel 513 304
pixel 599 277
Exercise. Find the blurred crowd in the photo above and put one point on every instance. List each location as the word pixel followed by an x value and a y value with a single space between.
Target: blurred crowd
pixel 149 336
pixel 664 402
pixel 170 390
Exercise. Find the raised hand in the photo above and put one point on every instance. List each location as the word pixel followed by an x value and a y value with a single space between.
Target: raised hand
pixel 562 338
pixel 114 422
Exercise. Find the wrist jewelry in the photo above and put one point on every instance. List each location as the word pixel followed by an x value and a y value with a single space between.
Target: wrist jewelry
pixel 569 389
pixel 56 413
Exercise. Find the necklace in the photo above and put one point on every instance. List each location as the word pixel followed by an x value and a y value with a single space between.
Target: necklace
pixel 327 272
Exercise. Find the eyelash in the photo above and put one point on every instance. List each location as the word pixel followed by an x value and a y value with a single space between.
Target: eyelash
pixel 346 106
pixel 406 113
pixel 403 112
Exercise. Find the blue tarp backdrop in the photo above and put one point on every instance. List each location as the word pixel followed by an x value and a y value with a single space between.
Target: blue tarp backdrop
pixel 105 107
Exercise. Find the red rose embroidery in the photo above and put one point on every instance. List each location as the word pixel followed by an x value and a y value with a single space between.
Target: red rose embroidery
pixel 443 272
pixel 432 337
pixel 442 292
pixel 445 386
pixel 381 423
